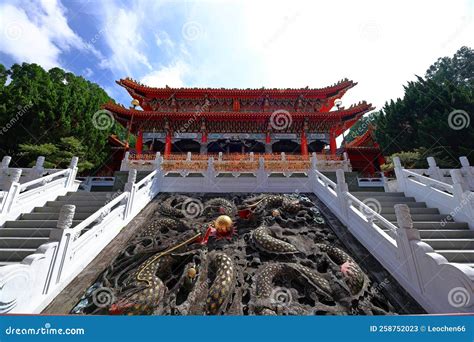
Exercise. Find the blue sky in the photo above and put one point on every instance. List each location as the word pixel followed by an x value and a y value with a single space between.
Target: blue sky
pixel 380 44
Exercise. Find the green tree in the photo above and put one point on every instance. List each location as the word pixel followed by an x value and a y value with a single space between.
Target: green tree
pixel 435 112
pixel 42 107
pixel 57 155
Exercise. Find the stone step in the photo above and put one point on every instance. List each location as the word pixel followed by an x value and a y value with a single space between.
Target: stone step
pixel 450 243
pixel 97 196
pixel 446 234
pixel 413 211
pixel 422 217
pixel 22 242
pixel 77 203
pixel 388 199
pixel 457 255
pixel 24 232
pixel 91 193
pixel 15 254
pixel 376 194
pixel 81 209
pixel 438 225
pixel 35 224
pixel 391 205
pixel 52 216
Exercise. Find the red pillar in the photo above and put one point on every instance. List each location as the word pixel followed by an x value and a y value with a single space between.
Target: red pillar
pixel 332 142
pixel 168 144
pixel 304 144
pixel 139 142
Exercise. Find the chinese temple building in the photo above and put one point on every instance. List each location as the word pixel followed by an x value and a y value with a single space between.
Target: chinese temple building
pixel 365 153
pixel 211 120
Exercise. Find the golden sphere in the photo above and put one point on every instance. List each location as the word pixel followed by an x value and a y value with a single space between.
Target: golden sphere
pixel 223 224
pixel 135 102
pixel 275 213
pixel 192 272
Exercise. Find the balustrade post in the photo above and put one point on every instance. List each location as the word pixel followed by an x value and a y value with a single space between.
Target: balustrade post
pixel 210 174
pixel 346 162
pixel 401 181
pixel 12 185
pixel 405 236
pixel 37 170
pixel 342 189
pixel 4 167
pixel 262 176
pixel 251 156
pixel 219 158
pixel 283 156
pixel 433 170
pixel 130 187
pixel 463 198
pixel 72 173
pixel 188 156
pixel 124 165
pixel 62 234
pixel 467 172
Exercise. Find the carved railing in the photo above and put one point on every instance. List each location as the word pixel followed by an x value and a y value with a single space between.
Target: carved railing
pixel 29 286
pixel 236 162
pixel 426 275
pixel 22 198
pixel 455 200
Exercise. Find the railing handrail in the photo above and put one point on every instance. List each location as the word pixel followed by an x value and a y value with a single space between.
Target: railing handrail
pixel 325 179
pixel 146 179
pixel 40 180
pixel 375 214
pixel 85 223
pixel 429 180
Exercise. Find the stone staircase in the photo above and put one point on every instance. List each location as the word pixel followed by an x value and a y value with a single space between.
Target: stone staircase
pixel 453 240
pixel 22 237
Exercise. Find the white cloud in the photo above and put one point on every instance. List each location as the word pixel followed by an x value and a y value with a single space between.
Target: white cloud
pixel 38 32
pixel 87 72
pixel 171 76
pixel 121 29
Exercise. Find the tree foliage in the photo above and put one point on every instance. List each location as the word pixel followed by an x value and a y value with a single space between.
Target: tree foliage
pixel 435 112
pixel 43 110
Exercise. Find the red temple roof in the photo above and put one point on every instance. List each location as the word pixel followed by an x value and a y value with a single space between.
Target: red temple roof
pixel 338 120
pixel 365 140
pixel 139 90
